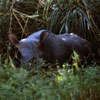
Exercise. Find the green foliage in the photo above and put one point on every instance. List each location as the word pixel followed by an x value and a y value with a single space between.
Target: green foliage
pixel 76 60
pixel 59 84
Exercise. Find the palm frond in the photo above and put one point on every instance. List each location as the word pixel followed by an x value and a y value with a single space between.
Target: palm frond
pixel 79 16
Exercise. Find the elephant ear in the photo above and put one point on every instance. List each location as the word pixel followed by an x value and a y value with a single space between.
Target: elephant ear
pixel 13 39
pixel 43 35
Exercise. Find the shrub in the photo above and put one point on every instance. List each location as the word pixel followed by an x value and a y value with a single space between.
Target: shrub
pixel 59 84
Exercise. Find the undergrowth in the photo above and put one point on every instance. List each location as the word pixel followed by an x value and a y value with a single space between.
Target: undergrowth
pixel 53 84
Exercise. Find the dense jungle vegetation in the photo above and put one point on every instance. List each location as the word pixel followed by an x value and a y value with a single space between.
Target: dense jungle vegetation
pixel 27 16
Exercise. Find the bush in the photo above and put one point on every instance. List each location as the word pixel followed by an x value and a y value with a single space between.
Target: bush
pixel 59 84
